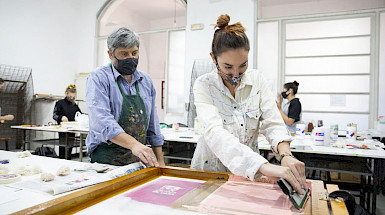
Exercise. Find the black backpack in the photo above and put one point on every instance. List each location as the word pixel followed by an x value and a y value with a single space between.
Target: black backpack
pixel 45 151
pixel 350 202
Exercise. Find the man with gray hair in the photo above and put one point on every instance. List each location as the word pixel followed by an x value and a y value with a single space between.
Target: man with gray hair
pixel 121 107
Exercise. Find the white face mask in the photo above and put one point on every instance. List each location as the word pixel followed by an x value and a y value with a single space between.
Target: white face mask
pixel 233 80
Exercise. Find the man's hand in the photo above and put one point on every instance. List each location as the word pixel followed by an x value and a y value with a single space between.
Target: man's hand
pixel 64 119
pixel 145 154
pixel 8 117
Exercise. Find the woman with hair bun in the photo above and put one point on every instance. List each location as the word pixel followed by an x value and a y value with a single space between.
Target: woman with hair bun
pixel 291 111
pixel 233 106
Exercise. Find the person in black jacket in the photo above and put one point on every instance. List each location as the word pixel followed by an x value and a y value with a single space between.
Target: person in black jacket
pixel 65 111
pixel 6 117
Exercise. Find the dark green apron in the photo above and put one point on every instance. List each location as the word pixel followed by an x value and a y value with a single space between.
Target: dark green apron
pixel 133 120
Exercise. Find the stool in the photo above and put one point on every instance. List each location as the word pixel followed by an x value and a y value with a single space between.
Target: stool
pixel 5 139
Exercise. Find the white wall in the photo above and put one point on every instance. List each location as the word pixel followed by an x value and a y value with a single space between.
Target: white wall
pixel 198 43
pixel 55 38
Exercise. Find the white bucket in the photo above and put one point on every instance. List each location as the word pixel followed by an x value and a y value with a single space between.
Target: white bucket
pixel 351 133
pixel 300 131
pixel 319 136
pixel 334 131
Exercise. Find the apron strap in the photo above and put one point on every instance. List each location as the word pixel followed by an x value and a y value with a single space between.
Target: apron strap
pixel 136 88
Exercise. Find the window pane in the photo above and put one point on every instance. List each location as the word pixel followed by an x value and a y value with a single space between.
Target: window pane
pixel 362 120
pixel 331 84
pixel 343 103
pixel 267 56
pixel 175 99
pixel 328 65
pixel 330 28
pixel 340 46
pixel 381 79
pixel 103 58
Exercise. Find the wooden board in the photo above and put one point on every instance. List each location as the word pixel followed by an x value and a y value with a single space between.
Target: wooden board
pixel 338 208
pixel 87 197
pixel 318 205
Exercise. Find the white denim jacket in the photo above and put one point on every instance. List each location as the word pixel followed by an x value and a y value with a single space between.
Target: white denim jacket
pixel 230 126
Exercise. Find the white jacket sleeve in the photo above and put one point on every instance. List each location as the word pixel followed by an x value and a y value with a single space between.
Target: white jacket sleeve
pixel 237 157
pixel 272 125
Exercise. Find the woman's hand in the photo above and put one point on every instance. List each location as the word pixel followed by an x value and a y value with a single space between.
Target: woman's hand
pixel 279 100
pixel 64 119
pixel 8 117
pixel 297 168
pixel 274 172
pixel 278 105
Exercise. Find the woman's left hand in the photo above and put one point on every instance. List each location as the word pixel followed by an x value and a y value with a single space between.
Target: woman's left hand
pixel 297 168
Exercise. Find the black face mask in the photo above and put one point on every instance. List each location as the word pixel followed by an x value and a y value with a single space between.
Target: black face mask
pixel 127 66
pixel 284 95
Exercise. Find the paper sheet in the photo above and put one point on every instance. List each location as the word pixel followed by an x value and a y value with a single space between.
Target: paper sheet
pixel 77 179
pixel 9 194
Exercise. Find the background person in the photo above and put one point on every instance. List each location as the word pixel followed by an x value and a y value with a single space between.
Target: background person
pixel 65 111
pixel 7 117
pixel 291 111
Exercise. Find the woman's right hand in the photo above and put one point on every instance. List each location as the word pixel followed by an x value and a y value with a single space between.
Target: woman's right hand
pixel 274 172
pixel 279 98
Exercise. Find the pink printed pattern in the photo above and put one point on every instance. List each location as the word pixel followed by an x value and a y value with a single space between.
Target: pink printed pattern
pixel 162 191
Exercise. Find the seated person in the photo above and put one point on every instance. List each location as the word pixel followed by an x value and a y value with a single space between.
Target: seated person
pixel 65 111
pixel 6 117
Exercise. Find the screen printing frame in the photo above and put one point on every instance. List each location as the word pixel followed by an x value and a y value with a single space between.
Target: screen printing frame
pixel 87 197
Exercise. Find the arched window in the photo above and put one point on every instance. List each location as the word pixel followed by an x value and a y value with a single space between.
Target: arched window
pixel 160 25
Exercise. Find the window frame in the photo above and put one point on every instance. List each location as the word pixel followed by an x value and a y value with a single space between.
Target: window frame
pixel 373 14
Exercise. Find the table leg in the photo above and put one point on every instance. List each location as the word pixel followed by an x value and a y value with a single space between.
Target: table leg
pixel 376 176
pixel 369 193
pixel 81 148
pixel 24 139
pixel 362 191
pixel 66 146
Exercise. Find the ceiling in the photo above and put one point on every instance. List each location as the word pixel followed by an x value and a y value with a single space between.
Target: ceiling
pixel 153 9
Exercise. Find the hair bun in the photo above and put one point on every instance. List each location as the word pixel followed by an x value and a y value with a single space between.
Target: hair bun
pixel 223 20
pixel 296 83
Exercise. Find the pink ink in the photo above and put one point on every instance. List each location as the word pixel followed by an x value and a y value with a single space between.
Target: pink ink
pixel 162 191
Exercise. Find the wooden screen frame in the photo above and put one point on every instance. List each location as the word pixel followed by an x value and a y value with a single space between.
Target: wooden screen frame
pixel 87 197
